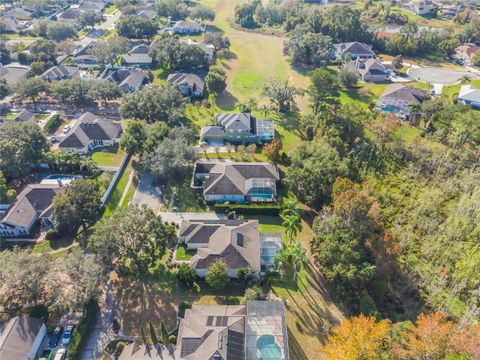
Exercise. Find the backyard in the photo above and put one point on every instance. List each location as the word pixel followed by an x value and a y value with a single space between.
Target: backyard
pixel 111 156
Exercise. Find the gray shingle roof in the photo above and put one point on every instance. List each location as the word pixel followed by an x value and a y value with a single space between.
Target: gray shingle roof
pixel 13 73
pixel 405 93
pixel 25 115
pixel 355 47
pixel 138 55
pixel 61 72
pixel 192 80
pixel 235 121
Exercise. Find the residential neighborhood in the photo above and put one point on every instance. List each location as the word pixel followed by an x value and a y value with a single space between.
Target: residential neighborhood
pixel 239 179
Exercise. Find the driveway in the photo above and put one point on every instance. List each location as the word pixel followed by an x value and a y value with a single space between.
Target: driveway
pixel 147 193
pixel 177 217
pixel 434 75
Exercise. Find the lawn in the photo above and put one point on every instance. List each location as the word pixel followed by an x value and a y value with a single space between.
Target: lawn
pixel 186 198
pixel 453 90
pixel 184 254
pixel 111 156
pixel 110 10
pixel 114 200
pixel 129 194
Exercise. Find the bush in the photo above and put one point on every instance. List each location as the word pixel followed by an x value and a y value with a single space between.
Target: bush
pixel 119 348
pixel 52 124
pixel 217 275
pixel 185 304
pixel 50 328
pixel 268 210
pixel 39 311
pixel 52 234
pixel 172 339
pixel 84 326
pixel 253 293
pixel 247 276
pixel 186 274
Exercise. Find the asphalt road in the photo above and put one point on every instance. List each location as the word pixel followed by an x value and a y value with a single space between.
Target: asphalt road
pixel 147 193
pixel 435 75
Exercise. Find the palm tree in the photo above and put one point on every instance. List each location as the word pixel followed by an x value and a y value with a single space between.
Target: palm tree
pixel 229 149
pixel 414 112
pixel 292 258
pixel 290 207
pixel 252 104
pixel 292 225
pixel 264 110
pixel 465 79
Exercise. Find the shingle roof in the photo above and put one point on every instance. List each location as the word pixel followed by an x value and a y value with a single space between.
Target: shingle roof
pixel 25 115
pixel 138 55
pixel 191 25
pixel 89 127
pixel 17 337
pixel 191 80
pixel 235 242
pixel 235 121
pixel 61 72
pixel 13 73
pixel 33 201
pixel 405 93
pixel 469 93
pixel 355 47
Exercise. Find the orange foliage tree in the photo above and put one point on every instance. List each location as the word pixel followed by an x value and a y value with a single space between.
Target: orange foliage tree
pixel 358 338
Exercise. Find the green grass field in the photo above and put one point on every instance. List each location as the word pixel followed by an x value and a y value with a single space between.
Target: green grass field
pixel 111 156
pixel 112 203
pixel 453 90
pixel 184 254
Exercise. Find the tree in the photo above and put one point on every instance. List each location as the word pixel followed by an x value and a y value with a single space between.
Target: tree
pixel 244 14
pixel 397 62
pixel 217 275
pixel 186 274
pixel 202 12
pixel 89 19
pixel 156 103
pixel 3 89
pixel 247 275
pixel 218 41
pixel 107 51
pixel 21 147
pixel 58 31
pixel 358 338
pixel 4 55
pixel 131 240
pixel 323 90
pixel 6 195
pixel 313 170
pixel 37 67
pixel 291 259
pixel 43 46
pixel 156 133
pixel 176 10
pixel 292 224
pixel 104 91
pixel 171 159
pixel 347 78
pixel 216 80
pixel 78 205
pixel 29 89
pixel 309 49
pixel 251 149
pixel 282 94
pixel 74 92
pixel 133 27
pixel 272 150
pixel 134 137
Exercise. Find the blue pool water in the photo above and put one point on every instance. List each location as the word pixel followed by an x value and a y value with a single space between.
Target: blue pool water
pixel 269 350
pixel 62 177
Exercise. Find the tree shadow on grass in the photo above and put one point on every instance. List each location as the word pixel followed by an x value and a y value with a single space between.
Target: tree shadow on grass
pixel 213 28
pixel 226 101
pixel 295 348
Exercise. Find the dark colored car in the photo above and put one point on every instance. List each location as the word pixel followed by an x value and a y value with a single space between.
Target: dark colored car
pixel 55 337
pixel 67 335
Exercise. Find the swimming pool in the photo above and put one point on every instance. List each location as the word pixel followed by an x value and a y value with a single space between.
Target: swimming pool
pixel 63 177
pixel 268 348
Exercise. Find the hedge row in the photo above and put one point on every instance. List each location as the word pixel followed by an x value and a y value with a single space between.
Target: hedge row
pixel 52 124
pixel 270 210
pixel 84 327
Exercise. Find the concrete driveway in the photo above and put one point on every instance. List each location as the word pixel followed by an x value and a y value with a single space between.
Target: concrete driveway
pixel 147 193
pixel 435 75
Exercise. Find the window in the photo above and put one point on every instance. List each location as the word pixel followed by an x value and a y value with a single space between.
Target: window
pixel 240 240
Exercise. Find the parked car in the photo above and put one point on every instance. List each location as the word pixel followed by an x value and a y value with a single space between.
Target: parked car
pixel 60 354
pixel 55 337
pixel 67 335
pixel 66 129
pixel 53 139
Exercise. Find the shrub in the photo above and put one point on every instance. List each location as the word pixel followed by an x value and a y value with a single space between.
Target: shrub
pixel 269 210
pixel 253 293
pixel 185 304
pixel 247 276
pixel 52 124
pixel 172 339
pixel 50 328
pixel 51 234
pixel 119 348
pixel 84 326
pixel 39 311
pixel 186 274
pixel 217 275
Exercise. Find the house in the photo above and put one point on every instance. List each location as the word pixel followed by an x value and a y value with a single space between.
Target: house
pixel 423 7
pixel 10 25
pixel 237 242
pixel 398 99
pixel 236 182
pixel 469 95
pixel 83 59
pixel 13 73
pixel 467 52
pixel 208 49
pixel 254 331
pixel 129 80
pixel 238 128
pixel 91 132
pixel 189 85
pixel 369 70
pixel 25 115
pixel 19 13
pixel 138 56
pixel 61 72
pixel 21 338
pixel 136 351
pixel 354 50
pixel 71 15
pixel 91 6
pixel 33 204
pixel 184 27
pixel 147 14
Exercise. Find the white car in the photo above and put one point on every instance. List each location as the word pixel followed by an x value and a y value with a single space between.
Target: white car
pixel 66 129
pixel 60 354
